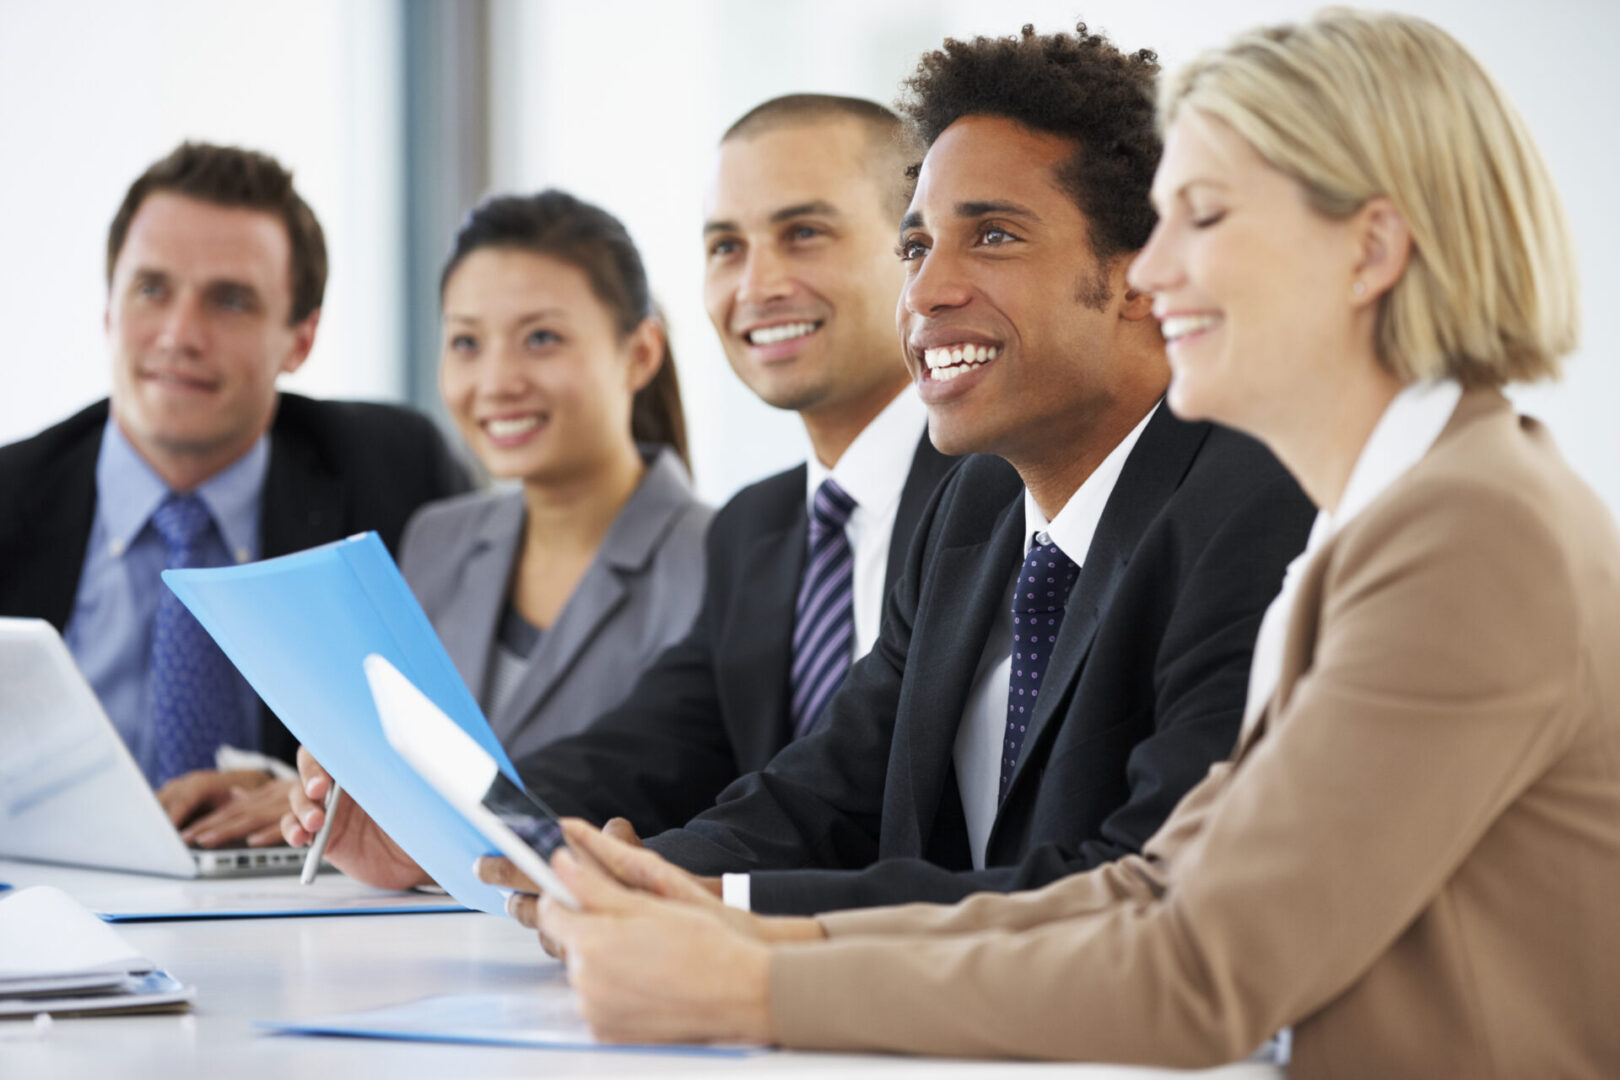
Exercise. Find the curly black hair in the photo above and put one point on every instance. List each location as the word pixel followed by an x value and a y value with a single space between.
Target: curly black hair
pixel 1075 85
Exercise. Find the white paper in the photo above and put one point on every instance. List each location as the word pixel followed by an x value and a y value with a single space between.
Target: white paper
pixel 45 933
pixel 133 993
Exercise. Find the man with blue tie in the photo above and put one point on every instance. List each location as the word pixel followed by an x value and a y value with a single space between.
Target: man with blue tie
pixel 216 269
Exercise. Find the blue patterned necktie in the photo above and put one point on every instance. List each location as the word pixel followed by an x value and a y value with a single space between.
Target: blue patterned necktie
pixel 1044 584
pixel 192 685
pixel 824 623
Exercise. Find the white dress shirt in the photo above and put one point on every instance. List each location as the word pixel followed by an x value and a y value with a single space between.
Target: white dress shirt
pixel 873 470
pixel 979 739
pixel 115 606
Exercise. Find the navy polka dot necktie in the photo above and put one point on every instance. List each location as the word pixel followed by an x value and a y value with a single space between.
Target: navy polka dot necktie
pixel 192 685
pixel 1044 584
pixel 824 621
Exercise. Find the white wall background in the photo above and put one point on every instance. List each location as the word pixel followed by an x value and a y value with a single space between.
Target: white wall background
pixel 93 91
pixel 621 102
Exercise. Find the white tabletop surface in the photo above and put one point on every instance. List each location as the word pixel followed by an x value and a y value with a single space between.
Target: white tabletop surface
pixel 248 970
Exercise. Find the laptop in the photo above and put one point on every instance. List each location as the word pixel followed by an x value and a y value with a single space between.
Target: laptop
pixel 69 790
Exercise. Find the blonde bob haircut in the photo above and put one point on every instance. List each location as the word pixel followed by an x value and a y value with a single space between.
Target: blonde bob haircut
pixel 1353 105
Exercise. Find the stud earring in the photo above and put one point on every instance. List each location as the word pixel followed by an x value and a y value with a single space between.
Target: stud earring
pixel 1359 288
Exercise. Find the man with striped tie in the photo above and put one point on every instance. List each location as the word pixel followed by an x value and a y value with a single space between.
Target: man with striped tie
pixel 801 284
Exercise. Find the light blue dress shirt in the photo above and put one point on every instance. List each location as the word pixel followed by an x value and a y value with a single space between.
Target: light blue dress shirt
pixel 110 630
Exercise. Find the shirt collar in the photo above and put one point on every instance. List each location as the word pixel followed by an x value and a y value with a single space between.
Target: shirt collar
pixel 1411 423
pixel 128 491
pixel 1076 524
pixel 874 468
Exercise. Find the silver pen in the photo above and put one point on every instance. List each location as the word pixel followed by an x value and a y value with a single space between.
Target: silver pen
pixel 317 847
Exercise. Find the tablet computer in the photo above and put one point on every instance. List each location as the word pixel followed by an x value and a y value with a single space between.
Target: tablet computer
pixel 520 825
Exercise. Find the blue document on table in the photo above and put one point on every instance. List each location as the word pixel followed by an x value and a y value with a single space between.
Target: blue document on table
pixel 298 628
pixel 546 1019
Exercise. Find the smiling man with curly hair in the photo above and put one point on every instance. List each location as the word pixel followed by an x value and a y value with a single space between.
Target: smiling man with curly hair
pixel 999 737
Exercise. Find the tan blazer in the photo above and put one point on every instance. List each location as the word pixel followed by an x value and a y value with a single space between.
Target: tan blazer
pixel 1413 857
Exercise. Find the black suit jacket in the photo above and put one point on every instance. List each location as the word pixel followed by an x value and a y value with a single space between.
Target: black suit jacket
pixel 336 468
pixel 714 705
pixel 1143 692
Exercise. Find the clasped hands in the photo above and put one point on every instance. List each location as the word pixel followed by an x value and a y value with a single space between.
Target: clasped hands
pixel 652 952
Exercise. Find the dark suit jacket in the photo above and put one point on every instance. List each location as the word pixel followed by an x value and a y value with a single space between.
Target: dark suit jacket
pixel 715 705
pixel 1144 690
pixel 336 468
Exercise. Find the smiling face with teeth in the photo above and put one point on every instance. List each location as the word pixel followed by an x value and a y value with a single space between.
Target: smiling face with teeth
pixel 799 277
pixel 534 370
pixel 1235 235
pixel 1021 343
pixel 197 325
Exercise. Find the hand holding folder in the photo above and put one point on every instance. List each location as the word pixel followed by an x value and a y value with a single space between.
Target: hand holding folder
pixel 298 628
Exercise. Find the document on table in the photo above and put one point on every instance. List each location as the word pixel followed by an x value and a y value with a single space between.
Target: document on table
pixel 124 897
pixel 157 991
pixel 298 628
pixel 237 901
pixel 544 1020
pixel 56 956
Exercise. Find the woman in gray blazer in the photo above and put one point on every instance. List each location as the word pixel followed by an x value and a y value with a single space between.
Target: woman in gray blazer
pixel 551 596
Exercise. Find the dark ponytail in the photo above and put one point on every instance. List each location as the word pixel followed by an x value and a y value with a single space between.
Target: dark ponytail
pixel 555 224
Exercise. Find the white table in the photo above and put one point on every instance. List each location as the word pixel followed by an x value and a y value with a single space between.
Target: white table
pixel 289 968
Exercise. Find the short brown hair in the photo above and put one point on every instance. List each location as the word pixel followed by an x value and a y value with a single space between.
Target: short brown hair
pixel 234 177
pixel 1078 86
pixel 891 143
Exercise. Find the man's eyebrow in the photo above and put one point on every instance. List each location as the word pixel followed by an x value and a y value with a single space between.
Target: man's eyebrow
pixel 912 220
pixel 787 213
pixel 148 274
pixel 986 208
pixel 815 206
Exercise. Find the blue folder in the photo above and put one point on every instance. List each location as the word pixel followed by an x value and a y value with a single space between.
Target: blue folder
pixel 545 1018
pixel 298 627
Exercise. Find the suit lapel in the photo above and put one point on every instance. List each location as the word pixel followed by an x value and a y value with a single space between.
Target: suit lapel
pixel 473 610
pixel 968 586
pixel 594 601
pixel 928 468
pixel 770 569
pixel 1151 475
pixel 64 511
pixel 303 498
pixel 626 552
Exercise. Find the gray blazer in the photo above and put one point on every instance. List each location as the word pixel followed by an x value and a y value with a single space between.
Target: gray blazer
pixel 638 596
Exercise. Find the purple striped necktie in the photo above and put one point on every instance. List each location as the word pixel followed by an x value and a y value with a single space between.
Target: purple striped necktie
pixel 1044 583
pixel 824 622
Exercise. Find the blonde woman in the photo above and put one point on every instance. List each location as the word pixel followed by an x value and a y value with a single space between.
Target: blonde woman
pixel 1413 856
